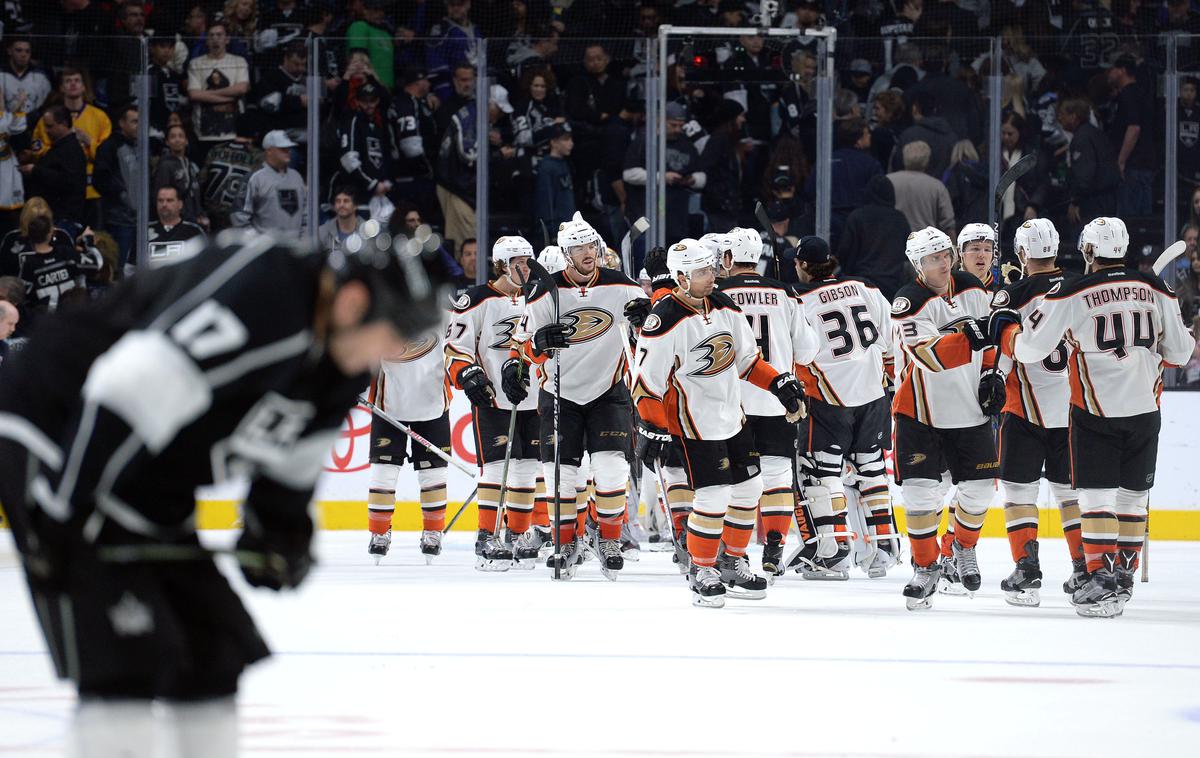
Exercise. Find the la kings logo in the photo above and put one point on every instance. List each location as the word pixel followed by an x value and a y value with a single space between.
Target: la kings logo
pixel 289 201
pixel 265 437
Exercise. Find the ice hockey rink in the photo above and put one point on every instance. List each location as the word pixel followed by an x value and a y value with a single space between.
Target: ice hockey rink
pixel 408 659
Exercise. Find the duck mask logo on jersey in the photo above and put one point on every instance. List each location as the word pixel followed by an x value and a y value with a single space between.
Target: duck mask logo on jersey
pixel 418 349
pixel 587 324
pixel 505 329
pixel 717 354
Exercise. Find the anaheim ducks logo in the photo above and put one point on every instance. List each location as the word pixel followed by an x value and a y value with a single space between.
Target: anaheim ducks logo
pixel 418 349
pixel 505 329
pixel 586 324
pixel 716 354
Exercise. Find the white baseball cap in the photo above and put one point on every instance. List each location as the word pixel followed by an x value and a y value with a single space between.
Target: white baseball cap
pixel 277 138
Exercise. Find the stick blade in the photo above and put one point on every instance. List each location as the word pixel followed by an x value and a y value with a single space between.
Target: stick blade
pixel 760 213
pixel 1171 253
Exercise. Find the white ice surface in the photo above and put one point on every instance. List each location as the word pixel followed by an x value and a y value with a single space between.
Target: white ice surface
pixel 405 659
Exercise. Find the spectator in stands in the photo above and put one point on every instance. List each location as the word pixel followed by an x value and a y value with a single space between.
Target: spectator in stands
pixel 1187 129
pixel 1093 176
pixel 683 177
pixel 61 174
pixel 278 28
pixel 276 199
pixel 722 161
pixel 124 60
pixel 536 55
pixel 91 126
pixel 1180 17
pixel 227 170
pixel 118 172
pixel 595 94
pixel 872 242
pixel 282 96
pixel 851 169
pixel 415 137
pixel 167 236
pixel 73 33
pixel 888 114
pixel 242 19
pixel 463 92
pixel 935 132
pixel 364 147
pixel 176 169
pixel 468 259
pixel 615 137
pixel 455 40
pixel 968 184
pixel 457 153
pixel 217 83
pixel 52 270
pixel 857 79
pixel 359 71
pixel 20 77
pixel 9 317
pixel 373 34
pixel 922 199
pixel 554 193
pixel 1187 284
pixel 1131 133
pixel 948 98
pixel 12 186
pixel 537 110
pixel 168 89
pixel 345 221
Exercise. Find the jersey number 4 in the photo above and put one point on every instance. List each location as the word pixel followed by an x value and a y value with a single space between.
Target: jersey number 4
pixel 1111 331
pixel 867 332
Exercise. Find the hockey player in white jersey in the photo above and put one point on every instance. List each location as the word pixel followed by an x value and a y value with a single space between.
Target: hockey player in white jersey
pixel 1123 327
pixel 484 328
pixel 594 306
pixel 412 388
pixel 694 350
pixel 1033 427
pixel 552 259
pixel 978 253
pixel 947 388
pixel 849 420
pixel 784 338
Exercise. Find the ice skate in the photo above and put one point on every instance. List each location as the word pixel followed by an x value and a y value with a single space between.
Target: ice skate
pixel 740 582
pixel 967 564
pixel 920 588
pixel 1023 586
pixel 1079 576
pixel 1098 597
pixel 608 553
pixel 631 548
pixel 707 589
pixel 772 556
pixel 949 582
pixel 1124 588
pixel 379 545
pixel 545 541
pixel 829 568
pixel 885 556
pixel 490 553
pixel 431 545
pixel 567 559
pixel 525 551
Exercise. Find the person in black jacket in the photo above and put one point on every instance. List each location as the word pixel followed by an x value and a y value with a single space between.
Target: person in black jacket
pixel 281 97
pixel 414 140
pixel 930 129
pixel 1094 176
pixel 872 244
pixel 60 176
pixel 116 176
pixel 365 148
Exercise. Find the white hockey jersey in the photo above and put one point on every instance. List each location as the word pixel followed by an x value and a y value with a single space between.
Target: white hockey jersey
pixel 937 373
pixel 484 326
pixel 854 338
pixel 413 386
pixel 1121 327
pixel 1037 391
pixel 595 314
pixel 785 338
pixel 690 364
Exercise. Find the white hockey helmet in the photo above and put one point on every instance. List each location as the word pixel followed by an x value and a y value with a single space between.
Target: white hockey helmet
pixel 577 233
pixel 925 242
pixel 1108 237
pixel 975 232
pixel 687 256
pixel 1037 237
pixel 747 245
pixel 552 259
pixel 507 248
pixel 718 244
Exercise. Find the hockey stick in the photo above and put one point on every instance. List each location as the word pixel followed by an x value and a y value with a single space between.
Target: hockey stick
pixel 547 280
pixel 416 437
pixel 461 508
pixel 760 213
pixel 512 430
pixel 1173 251
pixel 1006 180
pixel 640 227
pixel 1146 546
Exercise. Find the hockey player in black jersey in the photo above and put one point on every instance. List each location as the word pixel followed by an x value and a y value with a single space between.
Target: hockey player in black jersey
pixel 118 409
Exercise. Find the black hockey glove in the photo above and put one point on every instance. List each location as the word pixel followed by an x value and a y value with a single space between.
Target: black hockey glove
pixel 790 393
pixel 554 336
pixel 655 262
pixel 274 558
pixel 514 380
pixel 478 387
pixel 976 330
pixel 651 443
pixel 636 311
pixel 991 392
pixel 1000 319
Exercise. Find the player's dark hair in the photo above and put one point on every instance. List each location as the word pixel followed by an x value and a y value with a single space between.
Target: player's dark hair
pixel 822 270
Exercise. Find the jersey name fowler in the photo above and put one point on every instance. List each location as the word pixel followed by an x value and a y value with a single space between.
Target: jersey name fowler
pixel 485 325
pixel 938 373
pixel 690 365
pixel 783 336
pixel 1037 391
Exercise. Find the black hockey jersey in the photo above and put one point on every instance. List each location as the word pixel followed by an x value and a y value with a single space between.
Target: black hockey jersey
pixel 227 170
pixel 167 244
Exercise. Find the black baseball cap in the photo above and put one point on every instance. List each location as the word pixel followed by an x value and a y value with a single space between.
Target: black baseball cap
pixel 368 91
pixel 413 74
pixel 812 249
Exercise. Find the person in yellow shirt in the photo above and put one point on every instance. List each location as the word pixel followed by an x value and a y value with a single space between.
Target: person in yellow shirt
pixel 91 124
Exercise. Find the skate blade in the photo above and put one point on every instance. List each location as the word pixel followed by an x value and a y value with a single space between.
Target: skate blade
pixel 633 554
pixel 529 564
pixel 946 587
pixel 1023 598
pixel 876 572
pixel 429 559
pixel 918 603
pixel 610 574
pixel 377 558
pixel 492 566
pixel 716 601
pixel 1105 609
pixel 658 547
pixel 741 594
pixel 824 575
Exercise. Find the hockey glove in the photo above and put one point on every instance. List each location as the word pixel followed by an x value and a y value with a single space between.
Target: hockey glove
pixel 1000 319
pixel 651 443
pixel 976 330
pixel 790 393
pixel 514 380
pixel 274 558
pixel 478 387
pixel 992 394
pixel 636 311
pixel 554 336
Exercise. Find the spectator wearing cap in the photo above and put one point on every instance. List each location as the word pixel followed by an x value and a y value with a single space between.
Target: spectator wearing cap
pixel 784 232
pixel 168 91
pixel 1131 133
pixel 217 83
pixel 455 169
pixel 923 200
pixel 554 190
pixel 345 221
pixel 414 136
pixel 454 40
pixel 117 177
pixel 281 93
pixel 511 176
pixel 275 200
pixel 364 146
pixel 359 71
pixel 90 124
pixel 20 77
pixel 871 245
pixel 169 234
pixel 61 174
pixel 722 159
pixel 934 131
pixel 684 177
pixel 374 34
